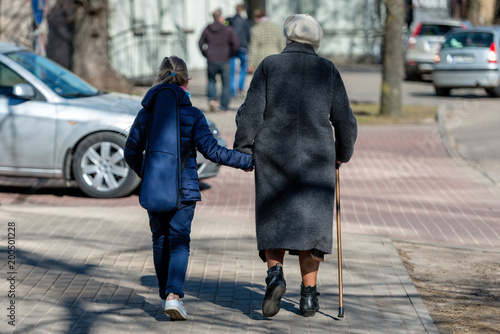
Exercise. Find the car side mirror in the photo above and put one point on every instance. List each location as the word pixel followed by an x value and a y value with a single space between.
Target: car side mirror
pixel 23 91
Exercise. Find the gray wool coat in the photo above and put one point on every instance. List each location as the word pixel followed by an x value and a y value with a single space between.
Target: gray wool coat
pixel 294 99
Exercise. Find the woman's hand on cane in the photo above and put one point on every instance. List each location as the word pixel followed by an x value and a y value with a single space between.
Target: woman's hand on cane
pixel 338 163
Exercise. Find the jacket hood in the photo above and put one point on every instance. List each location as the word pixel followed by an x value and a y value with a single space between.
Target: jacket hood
pixel 215 27
pixel 150 97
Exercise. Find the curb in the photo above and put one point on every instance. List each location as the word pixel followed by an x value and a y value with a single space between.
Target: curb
pixel 412 293
pixel 450 145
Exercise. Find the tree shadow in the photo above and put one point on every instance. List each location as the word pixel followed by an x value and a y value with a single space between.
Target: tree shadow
pixel 58 191
pixel 242 296
pixel 77 295
pixel 26 187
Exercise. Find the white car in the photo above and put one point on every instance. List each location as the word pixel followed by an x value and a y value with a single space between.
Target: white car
pixel 55 125
pixel 423 44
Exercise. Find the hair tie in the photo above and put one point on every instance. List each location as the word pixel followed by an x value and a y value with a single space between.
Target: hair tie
pixel 172 73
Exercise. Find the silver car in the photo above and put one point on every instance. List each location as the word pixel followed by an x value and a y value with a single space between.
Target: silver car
pixel 54 125
pixel 469 59
pixel 423 44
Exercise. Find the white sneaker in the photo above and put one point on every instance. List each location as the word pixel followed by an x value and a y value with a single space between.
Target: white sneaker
pixel 175 310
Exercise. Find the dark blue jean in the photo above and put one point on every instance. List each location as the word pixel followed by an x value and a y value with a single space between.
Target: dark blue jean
pixel 171 240
pixel 242 56
pixel 222 69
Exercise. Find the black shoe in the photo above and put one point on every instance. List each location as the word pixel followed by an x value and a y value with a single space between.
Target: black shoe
pixel 309 303
pixel 276 287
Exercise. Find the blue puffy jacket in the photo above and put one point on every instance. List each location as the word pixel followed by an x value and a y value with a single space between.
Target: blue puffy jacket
pixel 195 133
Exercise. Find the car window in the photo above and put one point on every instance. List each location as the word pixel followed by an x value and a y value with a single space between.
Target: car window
pixel 469 40
pixel 8 79
pixel 435 30
pixel 60 80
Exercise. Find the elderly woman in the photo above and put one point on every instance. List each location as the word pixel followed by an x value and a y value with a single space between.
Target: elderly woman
pixel 294 99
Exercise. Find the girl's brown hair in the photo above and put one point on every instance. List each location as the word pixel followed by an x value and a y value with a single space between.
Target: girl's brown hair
pixel 172 70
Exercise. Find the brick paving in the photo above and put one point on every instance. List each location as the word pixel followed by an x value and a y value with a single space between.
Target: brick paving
pixel 400 184
pixel 90 270
pixel 85 265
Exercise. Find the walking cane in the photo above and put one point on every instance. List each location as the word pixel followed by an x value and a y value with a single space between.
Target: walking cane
pixel 339 245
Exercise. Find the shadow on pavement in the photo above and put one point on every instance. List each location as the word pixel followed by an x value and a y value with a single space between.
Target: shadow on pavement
pixel 56 191
pixel 54 188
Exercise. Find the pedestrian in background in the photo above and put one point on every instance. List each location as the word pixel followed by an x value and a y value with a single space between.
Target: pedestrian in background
pixel 293 101
pixel 171 230
pixel 241 25
pixel 266 38
pixel 218 43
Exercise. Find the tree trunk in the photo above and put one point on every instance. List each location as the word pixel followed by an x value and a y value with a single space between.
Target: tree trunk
pixel 392 64
pixel 496 19
pixel 474 12
pixel 61 22
pixel 90 47
pixel 458 9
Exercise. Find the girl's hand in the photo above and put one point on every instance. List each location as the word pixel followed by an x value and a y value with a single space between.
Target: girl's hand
pixel 249 169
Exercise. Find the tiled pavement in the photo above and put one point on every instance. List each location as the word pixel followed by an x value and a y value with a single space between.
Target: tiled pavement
pixel 399 184
pixel 90 270
pixel 85 265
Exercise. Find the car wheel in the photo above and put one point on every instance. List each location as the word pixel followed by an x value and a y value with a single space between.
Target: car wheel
pixel 493 92
pixel 99 166
pixel 441 91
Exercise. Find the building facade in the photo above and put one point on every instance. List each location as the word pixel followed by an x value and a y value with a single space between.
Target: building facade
pixel 142 32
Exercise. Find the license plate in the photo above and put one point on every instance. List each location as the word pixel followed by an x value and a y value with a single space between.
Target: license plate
pixel 461 59
pixel 425 67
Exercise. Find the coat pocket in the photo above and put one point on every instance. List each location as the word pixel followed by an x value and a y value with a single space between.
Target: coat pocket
pixel 160 190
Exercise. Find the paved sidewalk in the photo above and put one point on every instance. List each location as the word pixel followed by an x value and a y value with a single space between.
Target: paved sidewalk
pixel 401 183
pixel 90 270
pixel 85 265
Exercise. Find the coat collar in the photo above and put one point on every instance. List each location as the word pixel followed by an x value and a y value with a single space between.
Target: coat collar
pixel 299 48
pixel 150 97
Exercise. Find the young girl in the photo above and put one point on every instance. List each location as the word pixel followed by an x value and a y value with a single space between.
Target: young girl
pixel 171 230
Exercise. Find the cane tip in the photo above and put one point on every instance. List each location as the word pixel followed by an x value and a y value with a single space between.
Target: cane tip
pixel 341 312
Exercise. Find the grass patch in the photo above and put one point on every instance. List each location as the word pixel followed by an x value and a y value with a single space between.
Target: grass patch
pixel 367 114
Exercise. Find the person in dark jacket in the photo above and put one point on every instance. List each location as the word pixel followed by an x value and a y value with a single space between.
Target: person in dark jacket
pixel 242 27
pixel 218 44
pixel 171 230
pixel 294 99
